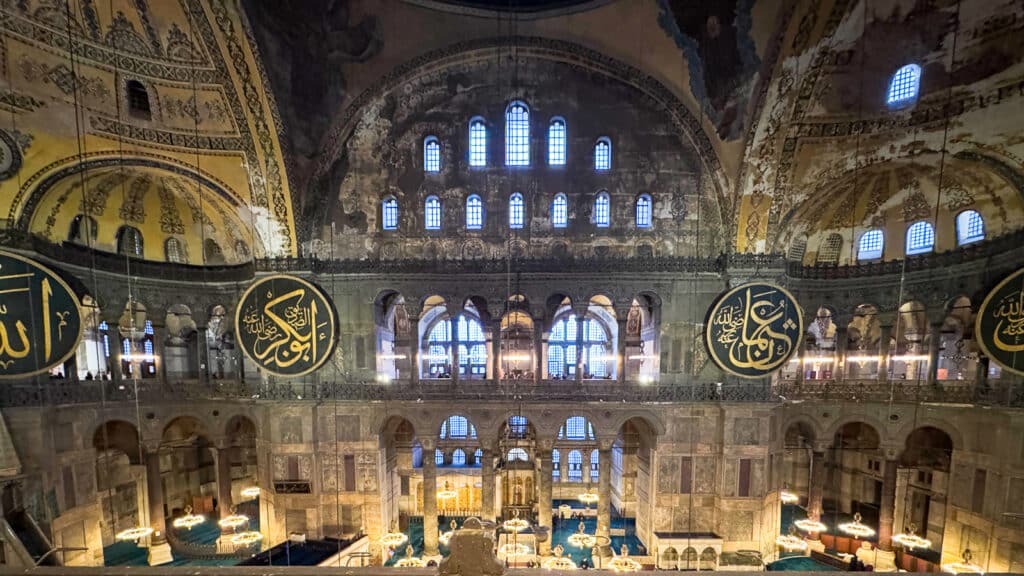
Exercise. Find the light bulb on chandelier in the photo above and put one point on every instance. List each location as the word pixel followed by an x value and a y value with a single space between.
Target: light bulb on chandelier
pixel 965 567
pixel 234 520
pixel 136 533
pixel 515 524
pixel 808 525
pixel 189 520
pixel 246 538
pixel 788 497
pixel 910 540
pixel 856 528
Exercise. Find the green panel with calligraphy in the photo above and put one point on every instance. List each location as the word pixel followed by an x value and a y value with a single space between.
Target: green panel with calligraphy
pixel 754 329
pixel 40 318
pixel 999 326
pixel 286 325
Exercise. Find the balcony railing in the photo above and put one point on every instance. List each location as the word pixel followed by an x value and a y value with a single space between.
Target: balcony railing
pixel 58 392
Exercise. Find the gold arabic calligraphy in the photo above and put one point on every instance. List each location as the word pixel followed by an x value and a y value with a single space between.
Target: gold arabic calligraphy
pixel 17 306
pixel 1008 334
pixel 286 330
pixel 755 330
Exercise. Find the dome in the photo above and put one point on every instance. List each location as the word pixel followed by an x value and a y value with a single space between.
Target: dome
pixel 151 213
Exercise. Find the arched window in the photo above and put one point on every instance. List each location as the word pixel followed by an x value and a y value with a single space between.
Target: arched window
pixel 138 100
pixel 472 348
pixel 431 154
pixel 432 213
pixel 516 211
pixel 575 466
pixel 417 455
pixel 798 248
pixel 438 457
pixel 595 466
pixel 457 427
pixel 174 251
pixel 148 363
pixel 870 245
pixel 459 457
pixel 560 211
pixel 904 85
pixel 477 143
pixel 517 135
pixel 103 328
pixel 389 213
pixel 517 454
pixel 828 252
pixel 576 428
pixel 129 241
pixel 596 354
pixel 474 212
pixel 643 211
pixel 517 426
pixel 556 142
pixel 969 227
pixel 478 457
pixel 920 238
pixel 212 252
pixel 83 229
pixel 555 472
pixel 602 210
pixel 603 154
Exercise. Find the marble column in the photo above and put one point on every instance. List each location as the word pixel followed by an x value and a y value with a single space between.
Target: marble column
pixel 159 551
pixel 888 509
pixel 885 335
pixel 429 500
pixel 496 350
pixel 579 347
pixel 544 499
pixel 814 495
pixel 414 349
pixel 224 501
pixel 604 493
pixel 563 465
pixel 487 484
pixel 621 359
pixel 538 350
pixel 934 342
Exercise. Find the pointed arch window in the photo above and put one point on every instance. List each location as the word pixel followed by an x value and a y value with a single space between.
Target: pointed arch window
pixel 870 245
pixel 904 86
pixel 174 251
pixel 920 238
pixel 556 142
pixel 517 135
pixel 474 212
pixel 516 211
pixel 431 154
pixel 643 211
pixel 602 210
pixel 477 143
pixel 129 241
pixel 432 213
pixel 389 213
pixel 603 154
pixel 560 211
pixel 969 227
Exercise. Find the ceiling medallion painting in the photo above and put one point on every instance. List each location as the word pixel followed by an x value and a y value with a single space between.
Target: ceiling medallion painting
pixel 754 329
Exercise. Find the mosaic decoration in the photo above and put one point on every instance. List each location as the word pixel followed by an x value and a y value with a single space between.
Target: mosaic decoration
pixel 999 326
pixel 40 318
pixel 10 156
pixel 754 329
pixel 286 325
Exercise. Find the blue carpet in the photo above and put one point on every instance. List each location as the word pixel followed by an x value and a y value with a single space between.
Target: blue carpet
pixel 799 564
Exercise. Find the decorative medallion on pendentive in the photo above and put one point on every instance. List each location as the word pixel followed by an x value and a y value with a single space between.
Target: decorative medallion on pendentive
pixel 40 318
pixel 999 326
pixel 753 329
pixel 286 325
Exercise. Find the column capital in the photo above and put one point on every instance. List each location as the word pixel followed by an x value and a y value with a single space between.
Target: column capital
pixel 604 443
pixel 151 446
pixel 428 444
pixel 891 452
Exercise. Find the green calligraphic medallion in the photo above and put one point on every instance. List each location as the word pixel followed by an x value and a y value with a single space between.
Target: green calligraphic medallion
pixel 753 329
pixel 286 325
pixel 999 325
pixel 40 318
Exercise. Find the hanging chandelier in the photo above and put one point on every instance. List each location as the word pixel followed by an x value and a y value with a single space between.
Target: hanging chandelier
pixel 251 492
pixel 136 533
pixel 791 543
pixel 447 493
pixel 233 521
pixel 588 497
pixel 856 528
pixel 965 567
pixel 515 524
pixel 808 525
pixel 446 537
pixel 910 540
pixel 392 539
pixel 788 497
pixel 246 538
pixel 514 550
pixel 624 564
pixel 410 563
pixel 189 520
pixel 559 563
